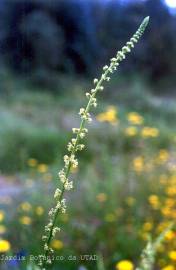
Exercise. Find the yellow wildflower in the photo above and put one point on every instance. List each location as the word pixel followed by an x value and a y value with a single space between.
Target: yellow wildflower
pixel 138 164
pixel 168 267
pixel 25 206
pixel 109 116
pixel 57 244
pixel 25 220
pixel 149 132
pixel 163 156
pixel 172 255
pixel 39 210
pixel 130 201
pixel 110 217
pixel 154 201
pixel 173 179
pixel 1 215
pixel 124 265
pixel 171 191
pixel 131 131
pixel 135 118
pixel 166 211
pixel 4 245
pixel 42 168
pixel 2 229
pixel 173 214
pixel 170 202
pixel 147 226
pixel 162 226
pixel 32 162
pixel 169 235
pixel 101 197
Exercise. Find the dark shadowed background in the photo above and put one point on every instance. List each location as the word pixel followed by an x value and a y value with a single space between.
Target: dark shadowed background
pixel 43 39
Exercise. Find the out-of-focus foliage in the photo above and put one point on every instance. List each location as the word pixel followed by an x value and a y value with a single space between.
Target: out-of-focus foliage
pixel 47 37
pixel 125 186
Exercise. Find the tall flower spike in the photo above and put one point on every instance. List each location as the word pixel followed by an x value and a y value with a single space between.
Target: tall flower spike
pixel 79 133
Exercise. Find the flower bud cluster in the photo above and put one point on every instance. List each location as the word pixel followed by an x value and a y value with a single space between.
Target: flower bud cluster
pixel 57 193
pixel 70 161
pixel 68 185
pixel 81 132
pixel 92 99
pixel 85 115
pixel 72 146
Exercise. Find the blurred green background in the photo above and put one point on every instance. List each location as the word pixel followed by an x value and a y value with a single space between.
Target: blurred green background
pixel 125 187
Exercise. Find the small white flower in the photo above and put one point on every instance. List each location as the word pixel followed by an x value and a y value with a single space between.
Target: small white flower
pixel 51 211
pixel 62 176
pixel 133 40
pixel 126 49
pixel 73 161
pixel 48 261
pixel 80 147
pixel 113 59
pixel 75 130
pixel 85 130
pixel 95 81
pixel 129 43
pixel 57 193
pixel 44 237
pixel 46 247
pixel 103 76
pixel 51 250
pixel 63 206
pixel 66 160
pixel 68 185
pixel 94 102
pixel 55 230
pixel 73 141
pixel 105 67
pixel 88 95
pixel 47 229
pixel 81 111
pixel 93 91
pixel 70 147
pixel 82 135
pixel 58 205
pixel 50 224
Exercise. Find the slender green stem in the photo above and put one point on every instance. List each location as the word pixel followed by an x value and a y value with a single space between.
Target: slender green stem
pixel 85 117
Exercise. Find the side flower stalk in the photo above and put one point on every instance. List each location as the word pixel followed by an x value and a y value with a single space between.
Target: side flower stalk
pixel 149 253
pixel 70 160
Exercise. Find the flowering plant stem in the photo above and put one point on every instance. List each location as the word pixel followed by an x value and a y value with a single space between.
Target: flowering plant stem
pixel 74 146
pixel 149 253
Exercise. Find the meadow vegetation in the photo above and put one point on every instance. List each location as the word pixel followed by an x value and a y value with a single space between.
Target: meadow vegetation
pixel 125 185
